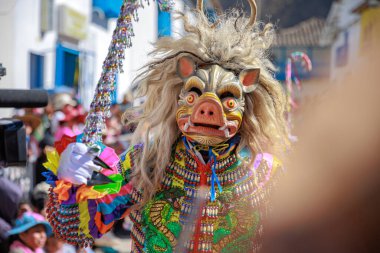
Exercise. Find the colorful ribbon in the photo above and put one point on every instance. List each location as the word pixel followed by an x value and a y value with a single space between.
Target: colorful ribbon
pixel 214 178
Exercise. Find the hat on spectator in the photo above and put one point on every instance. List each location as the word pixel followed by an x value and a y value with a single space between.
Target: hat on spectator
pixel 31 120
pixel 39 195
pixel 62 99
pixel 27 221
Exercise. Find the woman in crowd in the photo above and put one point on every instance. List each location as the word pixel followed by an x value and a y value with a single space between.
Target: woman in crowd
pixel 30 233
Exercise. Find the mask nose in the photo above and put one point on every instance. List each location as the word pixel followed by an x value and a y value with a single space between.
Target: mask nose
pixel 208 112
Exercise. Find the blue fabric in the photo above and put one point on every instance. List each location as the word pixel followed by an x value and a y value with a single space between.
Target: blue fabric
pixel 109 208
pixel 50 177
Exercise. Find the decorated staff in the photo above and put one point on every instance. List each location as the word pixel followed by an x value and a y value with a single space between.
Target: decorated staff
pixel 113 64
pixel 197 177
pixel 292 73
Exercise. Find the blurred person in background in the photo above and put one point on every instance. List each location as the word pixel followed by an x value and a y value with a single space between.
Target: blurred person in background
pixel 43 132
pixel 127 101
pixel 55 245
pixel 23 207
pixel 10 197
pixel 29 233
pixel 31 123
pixel 45 145
pixel 37 122
pixel 46 141
pixel 114 129
pixel 39 197
pixel 68 117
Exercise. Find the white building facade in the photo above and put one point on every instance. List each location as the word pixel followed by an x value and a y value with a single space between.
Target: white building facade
pixel 56 45
pixel 342 32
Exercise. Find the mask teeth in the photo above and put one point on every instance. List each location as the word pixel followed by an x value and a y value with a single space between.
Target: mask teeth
pixel 190 123
pixel 226 133
pixel 223 127
pixel 186 126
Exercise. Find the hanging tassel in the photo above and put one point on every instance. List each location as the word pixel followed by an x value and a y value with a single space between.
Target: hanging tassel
pixel 214 177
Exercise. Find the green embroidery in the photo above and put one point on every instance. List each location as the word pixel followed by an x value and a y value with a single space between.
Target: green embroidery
pixel 242 244
pixel 220 234
pixel 161 220
pixel 175 228
pixel 155 242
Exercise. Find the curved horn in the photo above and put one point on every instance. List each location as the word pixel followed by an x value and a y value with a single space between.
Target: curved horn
pixel 200 5
pixel 252 19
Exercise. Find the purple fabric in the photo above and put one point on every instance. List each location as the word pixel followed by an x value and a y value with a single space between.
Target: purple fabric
pixel 92 208
pixel 116 213
pixel 72 196
pixel 106 218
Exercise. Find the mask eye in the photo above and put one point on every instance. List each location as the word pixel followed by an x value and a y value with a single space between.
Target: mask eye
pixel 230 103
pixel 191 97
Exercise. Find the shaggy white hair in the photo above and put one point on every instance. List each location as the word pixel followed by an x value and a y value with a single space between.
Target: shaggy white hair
pixel 229 43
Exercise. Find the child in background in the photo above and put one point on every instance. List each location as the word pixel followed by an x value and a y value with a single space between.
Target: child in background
pixel 30 231
pixel 23 207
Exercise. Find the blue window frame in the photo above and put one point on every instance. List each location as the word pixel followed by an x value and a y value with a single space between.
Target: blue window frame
pixel 37 63
pixel 111 9
pixel 67 67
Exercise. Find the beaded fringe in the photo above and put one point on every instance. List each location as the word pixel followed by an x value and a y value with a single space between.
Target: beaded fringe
pixel 64 220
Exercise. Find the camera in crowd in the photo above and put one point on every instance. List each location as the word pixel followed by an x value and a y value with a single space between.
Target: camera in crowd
pixel 12 143
pixel 13 151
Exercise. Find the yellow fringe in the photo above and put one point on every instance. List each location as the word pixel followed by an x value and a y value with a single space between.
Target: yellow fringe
pixel 84 218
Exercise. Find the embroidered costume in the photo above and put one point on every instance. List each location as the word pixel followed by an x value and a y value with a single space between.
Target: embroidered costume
pixel 231 223
pixel 197 177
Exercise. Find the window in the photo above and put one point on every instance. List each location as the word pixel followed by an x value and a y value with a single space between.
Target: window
pixel 67 67
pixel 46 10
pixel 36 71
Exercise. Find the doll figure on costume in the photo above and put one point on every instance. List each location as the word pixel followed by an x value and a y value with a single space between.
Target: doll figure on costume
pixel 197 177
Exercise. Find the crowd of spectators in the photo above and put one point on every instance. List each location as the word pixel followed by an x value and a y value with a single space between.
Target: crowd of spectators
pixel 23 225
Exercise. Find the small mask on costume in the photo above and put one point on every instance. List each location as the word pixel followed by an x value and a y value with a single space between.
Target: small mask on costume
pixel 211 103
